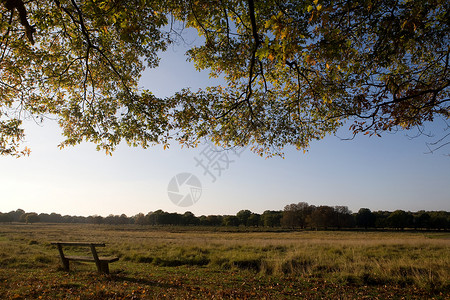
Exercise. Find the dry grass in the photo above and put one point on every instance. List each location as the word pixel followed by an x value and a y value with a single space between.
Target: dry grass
pixel 412 261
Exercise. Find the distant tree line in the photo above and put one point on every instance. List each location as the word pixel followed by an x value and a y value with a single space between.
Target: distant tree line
pixel 294 216
pixel 303 215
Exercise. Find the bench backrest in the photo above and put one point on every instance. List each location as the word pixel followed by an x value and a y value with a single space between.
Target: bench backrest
pixel 80 244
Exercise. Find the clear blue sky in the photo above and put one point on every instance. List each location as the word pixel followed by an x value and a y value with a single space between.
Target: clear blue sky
pixel 385 173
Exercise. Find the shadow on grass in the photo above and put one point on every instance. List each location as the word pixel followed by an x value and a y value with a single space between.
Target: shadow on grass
pixel 141 281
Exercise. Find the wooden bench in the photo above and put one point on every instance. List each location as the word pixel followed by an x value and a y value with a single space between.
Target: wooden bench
pixel 101 262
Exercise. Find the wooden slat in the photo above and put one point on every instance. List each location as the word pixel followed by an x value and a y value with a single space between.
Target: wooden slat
pixel 91 259
pixel 83 244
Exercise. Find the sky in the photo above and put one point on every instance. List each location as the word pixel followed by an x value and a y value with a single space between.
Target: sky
pixel 387 173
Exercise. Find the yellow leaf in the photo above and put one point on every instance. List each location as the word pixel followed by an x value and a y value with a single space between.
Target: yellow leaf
pixel 310 60
pixel 404 24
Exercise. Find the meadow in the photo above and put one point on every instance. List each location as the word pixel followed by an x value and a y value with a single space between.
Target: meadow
pixel 217 263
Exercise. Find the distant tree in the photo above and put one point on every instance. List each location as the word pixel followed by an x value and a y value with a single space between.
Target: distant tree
pixel 344 218
pixel 123 219
pixel 173 219
pixel 5 218
pixel 231 221
pixel 213 220
pixel 44 218
pixel 140 219
pixel 243 216
pixel 400 219
pixel 111 219
pixel 422 220
pixel 23 217
pixel 295 215
pixel 202 220
pixel 16 215
pixel 323 217
pixel 365 218
pixel 291 216
pixel 116 219
pixel 254 219
pixel 440 219
pixel 381 219
pixel 97 219
pixel 151 219
pixel 69 219
pixel 271 218
pixel 55 218
pixel 189 219
pixel 80 219
pixel 156 217
pixel 31 218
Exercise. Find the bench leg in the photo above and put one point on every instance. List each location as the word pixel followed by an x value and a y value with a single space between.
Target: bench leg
pixel 104 267
pixel 65 263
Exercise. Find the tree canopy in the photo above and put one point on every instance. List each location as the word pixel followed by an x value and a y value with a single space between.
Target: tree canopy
pixel 294 216
pixel 294 71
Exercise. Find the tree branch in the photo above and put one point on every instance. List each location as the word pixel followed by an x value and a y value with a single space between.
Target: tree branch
pixel 20 7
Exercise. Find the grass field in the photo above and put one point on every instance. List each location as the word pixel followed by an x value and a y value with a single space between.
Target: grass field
pixel 193 263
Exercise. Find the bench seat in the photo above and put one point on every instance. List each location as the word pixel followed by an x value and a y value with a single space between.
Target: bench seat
pixel 91 259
